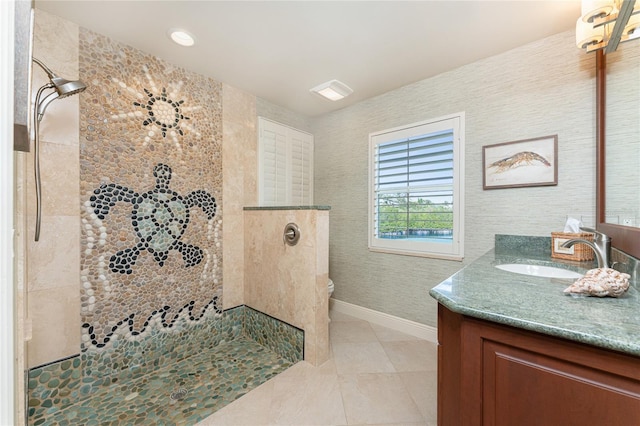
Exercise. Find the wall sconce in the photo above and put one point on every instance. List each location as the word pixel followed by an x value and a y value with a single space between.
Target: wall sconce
pixel 606 23
pixel 333 90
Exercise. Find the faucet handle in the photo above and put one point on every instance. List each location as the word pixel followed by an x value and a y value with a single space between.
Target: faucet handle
pixel 599 236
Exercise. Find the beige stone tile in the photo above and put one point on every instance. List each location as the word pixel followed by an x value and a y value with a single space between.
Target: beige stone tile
pixel 56 324
pixel 286 282
pixel 61 121
pixel 249 142
pixel 369 357
pixel 233 256
pixel 322 242
pixel 60 177
pixel 250 409
pixel 377 398
pixel 307 395
pixel 240 146
pixel 238 131
pixel 60 53
pixel 339 316
pixel 351 332
pixel 233 166
pixel 413 355
pixel 239 106
pixel 321 319
pixel 54 261
pixel 423 388
pixel 385 334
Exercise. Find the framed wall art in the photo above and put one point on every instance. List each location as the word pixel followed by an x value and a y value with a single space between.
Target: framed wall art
pixel 528 162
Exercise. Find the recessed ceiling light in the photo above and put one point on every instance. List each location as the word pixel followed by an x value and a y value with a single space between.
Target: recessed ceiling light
pixel 181 37
pixel 333 90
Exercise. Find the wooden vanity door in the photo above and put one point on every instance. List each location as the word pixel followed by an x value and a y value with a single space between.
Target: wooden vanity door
pixel 495 375
pixel 521 387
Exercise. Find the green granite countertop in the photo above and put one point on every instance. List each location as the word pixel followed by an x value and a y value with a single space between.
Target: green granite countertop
pixel 538 304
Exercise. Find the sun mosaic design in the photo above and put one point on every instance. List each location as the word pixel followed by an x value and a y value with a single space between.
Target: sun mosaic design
pixel 159 109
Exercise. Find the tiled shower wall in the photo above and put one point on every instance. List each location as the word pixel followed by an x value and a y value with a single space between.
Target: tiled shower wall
pixel 53 269
pixel 53 263
pixel 151 193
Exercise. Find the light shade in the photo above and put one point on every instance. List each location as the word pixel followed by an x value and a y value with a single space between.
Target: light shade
pixel 632 29
pixel 592 9
pixel 333 90
pixel 181 37
pixel 586 34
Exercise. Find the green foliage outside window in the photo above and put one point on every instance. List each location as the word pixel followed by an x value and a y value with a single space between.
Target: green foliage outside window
pixel 405 216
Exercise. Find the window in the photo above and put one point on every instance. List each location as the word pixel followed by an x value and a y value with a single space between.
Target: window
pixel 285 165
pixel 416 183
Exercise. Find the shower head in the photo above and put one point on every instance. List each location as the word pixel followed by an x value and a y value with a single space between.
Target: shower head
pixel 62 86
pixel 67 88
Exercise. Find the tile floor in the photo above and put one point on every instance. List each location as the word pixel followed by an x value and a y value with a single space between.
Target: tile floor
pixel 374 376
pixel 179 394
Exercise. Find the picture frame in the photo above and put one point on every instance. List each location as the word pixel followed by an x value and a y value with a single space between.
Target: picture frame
pixel 523 163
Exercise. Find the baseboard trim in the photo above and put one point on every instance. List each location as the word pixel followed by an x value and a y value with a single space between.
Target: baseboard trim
pixel 395 323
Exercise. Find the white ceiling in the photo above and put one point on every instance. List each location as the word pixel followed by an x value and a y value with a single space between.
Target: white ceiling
pixel 278 50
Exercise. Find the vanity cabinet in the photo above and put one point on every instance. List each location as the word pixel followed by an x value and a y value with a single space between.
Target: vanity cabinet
pixel 493 374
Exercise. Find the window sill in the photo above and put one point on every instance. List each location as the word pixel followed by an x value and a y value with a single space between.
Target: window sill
pixel 417 254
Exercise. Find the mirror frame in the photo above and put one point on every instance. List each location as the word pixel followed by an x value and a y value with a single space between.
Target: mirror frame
pixel 624 238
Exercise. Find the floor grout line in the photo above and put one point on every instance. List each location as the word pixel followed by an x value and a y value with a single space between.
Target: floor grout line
pixel 414 404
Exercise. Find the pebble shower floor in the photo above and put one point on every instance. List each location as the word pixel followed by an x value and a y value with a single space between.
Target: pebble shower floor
pixel 181 393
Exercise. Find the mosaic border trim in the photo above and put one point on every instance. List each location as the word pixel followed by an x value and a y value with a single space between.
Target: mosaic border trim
pixel 161 320
pixel 281 337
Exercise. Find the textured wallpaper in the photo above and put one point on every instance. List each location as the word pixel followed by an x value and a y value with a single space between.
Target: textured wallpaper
pixel 544 88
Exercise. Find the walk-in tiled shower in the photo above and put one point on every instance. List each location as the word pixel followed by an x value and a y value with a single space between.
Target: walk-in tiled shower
pixel 156 346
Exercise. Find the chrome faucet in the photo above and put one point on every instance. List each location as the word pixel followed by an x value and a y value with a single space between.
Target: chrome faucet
pixel 601 246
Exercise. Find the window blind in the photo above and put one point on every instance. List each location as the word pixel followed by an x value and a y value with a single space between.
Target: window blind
pixel 417 188
pixel 414 187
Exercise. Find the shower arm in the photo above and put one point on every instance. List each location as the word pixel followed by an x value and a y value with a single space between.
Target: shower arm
pixel 46 69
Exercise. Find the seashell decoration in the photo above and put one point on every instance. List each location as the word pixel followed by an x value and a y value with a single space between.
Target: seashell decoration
pixel 601 282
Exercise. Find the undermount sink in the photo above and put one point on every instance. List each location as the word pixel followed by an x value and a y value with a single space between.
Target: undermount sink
pixel 539 271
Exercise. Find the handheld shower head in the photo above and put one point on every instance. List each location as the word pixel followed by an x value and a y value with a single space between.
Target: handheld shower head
pixel 67 88
pixel 63 88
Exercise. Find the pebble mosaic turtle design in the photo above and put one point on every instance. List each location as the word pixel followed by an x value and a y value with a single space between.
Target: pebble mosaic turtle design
pixel 159 217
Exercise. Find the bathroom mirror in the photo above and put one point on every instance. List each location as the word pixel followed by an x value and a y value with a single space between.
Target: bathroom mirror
pixel 618 134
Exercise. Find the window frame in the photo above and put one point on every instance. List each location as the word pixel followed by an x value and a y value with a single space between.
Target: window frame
pixel 453 251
